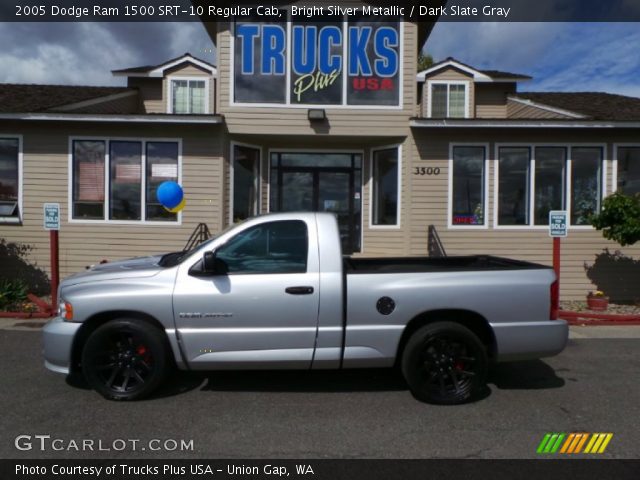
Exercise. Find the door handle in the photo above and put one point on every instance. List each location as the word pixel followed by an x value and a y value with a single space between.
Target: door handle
pixel 299 290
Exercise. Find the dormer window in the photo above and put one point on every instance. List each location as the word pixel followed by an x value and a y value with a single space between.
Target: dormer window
pixel 448 100
pixel 189 96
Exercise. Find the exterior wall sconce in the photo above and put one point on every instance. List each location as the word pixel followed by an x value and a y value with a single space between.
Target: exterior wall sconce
pixel 316 114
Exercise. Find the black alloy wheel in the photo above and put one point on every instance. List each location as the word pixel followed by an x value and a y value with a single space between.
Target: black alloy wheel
pixel 445 363
pixel 125 359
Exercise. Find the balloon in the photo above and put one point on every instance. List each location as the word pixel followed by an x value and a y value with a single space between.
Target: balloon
pixel 170 194
pixel 178 207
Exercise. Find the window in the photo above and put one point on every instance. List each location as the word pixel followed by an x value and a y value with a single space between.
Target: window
pixel 468 186
pixel 128 192
pixel 246 164
pixel 189 96
pixel 274 247
pixel 10 182
pixel 532 181
pixel 448 100
pixel 385 187
pixel 629 170
pixel 317 62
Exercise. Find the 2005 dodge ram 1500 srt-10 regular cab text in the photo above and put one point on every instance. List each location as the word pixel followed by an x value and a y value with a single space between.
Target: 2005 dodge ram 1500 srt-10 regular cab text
pixel 275 292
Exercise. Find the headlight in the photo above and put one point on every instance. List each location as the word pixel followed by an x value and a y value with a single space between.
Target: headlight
pixel 65 310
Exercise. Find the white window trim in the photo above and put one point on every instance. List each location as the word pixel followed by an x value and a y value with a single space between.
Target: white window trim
pixel 340 106
pixel 107 170
pixel 486 194
pixel 257 207
pixel 448 83
pixel 398 224
pixel 207 94
pixel 567 185
pixel 19 219
pixel 614 168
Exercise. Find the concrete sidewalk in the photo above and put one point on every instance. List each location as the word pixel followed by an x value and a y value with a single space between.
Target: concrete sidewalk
pixel 575 332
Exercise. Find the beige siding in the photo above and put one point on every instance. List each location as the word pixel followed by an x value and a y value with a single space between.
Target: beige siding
pixel 151 94
pixel 491 99
pixel 46 179
pixel 517 110
pixel 341 121
pixel 449 74
pixel 430 205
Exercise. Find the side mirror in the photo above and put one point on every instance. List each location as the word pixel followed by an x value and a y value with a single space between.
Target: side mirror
pixel 213 265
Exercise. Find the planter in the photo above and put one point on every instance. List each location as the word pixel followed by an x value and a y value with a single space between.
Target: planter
pixel 598 304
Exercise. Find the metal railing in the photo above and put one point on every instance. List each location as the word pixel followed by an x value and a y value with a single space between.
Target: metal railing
pixel 199 235
pixel 435 246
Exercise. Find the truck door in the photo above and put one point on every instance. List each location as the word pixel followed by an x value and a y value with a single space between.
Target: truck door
pixel 263 313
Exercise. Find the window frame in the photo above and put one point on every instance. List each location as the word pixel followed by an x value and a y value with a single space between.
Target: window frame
pixel 193 78
pixel 448 83
pixel 107 180
pixel 288 67
pixel 567 185
pixel 257 208
pixel 16 220
pixel 398 224
pixel 614 163
pixel 485 186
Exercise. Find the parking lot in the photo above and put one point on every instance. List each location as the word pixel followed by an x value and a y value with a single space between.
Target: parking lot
pixel 591 387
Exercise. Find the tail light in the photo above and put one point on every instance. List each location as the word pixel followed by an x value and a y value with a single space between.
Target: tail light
pixel 554 293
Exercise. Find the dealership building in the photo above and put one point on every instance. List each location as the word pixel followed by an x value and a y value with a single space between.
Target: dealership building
pixel 330 116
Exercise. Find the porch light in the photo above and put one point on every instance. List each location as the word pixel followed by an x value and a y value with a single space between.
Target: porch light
pixel 316 114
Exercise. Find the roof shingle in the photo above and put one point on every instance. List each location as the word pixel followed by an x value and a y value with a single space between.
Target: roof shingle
pixel 595 105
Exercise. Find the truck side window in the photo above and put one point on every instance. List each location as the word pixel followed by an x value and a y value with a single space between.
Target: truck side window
pixel 275 247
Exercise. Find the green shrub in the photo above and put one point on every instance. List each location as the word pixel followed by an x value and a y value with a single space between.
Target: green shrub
pixel 619 219
pixel 12 292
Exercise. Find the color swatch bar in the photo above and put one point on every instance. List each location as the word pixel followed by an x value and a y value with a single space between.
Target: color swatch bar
pixel 573 443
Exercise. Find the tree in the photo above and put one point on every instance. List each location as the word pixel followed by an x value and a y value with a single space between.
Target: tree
pixel 619 219
pixel 424 61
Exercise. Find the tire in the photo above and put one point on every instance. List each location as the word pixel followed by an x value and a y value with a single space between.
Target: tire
pixel 444 363
pixel 125 359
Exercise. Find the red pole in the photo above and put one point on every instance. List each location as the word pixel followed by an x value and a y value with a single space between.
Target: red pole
pixel 55 268
pixel 555 287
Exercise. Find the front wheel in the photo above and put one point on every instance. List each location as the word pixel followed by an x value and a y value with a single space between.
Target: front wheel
pixel 444 363
pixel 125 359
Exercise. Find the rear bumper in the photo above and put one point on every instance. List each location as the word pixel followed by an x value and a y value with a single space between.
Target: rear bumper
pixel 57 339
pixel 530 340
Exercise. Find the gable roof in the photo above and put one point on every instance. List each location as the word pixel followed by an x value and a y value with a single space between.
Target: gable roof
pixel 157 71
pixel 30 98
pixel 593 105
pixel 478 75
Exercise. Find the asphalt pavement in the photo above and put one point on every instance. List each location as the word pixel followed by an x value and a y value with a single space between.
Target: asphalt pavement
pixel 593 386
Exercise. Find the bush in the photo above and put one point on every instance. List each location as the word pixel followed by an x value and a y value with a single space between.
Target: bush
pixel 12 293
pixel 619 219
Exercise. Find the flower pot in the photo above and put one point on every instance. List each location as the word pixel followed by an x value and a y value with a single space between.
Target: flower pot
pixel 597 303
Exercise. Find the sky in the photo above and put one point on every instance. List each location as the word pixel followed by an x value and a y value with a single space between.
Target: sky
pixel 560 56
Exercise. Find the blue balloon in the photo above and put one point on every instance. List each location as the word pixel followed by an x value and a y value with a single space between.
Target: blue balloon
pixel 169 194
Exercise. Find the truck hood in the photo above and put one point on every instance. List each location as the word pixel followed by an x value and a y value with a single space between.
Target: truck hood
pixel 130 268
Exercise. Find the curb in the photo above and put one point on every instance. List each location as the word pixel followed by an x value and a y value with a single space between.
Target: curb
pixel 596 319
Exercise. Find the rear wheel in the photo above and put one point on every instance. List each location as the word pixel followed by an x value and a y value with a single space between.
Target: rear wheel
pixel 444 363
pixel 125 359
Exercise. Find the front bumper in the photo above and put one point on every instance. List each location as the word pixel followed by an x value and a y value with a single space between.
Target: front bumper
pixel 57 338
pixel 530 340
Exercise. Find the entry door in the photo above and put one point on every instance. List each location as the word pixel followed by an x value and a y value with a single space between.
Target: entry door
pixel 321 190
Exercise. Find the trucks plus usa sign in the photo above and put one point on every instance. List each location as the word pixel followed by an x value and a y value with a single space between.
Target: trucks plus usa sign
pixel 325 63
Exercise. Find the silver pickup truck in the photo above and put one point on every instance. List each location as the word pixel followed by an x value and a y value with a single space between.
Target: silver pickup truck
pixel 275 292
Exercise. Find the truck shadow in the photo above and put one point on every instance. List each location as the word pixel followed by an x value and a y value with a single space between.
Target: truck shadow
pixel 527 375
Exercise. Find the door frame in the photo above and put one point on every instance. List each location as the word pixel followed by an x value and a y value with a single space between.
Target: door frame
pixel 361 152
pixel 258 184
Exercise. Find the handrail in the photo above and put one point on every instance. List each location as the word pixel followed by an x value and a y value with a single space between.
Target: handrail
pixel 435 246
pixel 199 235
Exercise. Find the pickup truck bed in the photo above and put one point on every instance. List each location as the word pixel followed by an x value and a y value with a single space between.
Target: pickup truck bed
pixel 428 264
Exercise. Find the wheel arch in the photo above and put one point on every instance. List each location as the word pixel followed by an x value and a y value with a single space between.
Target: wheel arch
pixel 467 318
pixel 99 319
